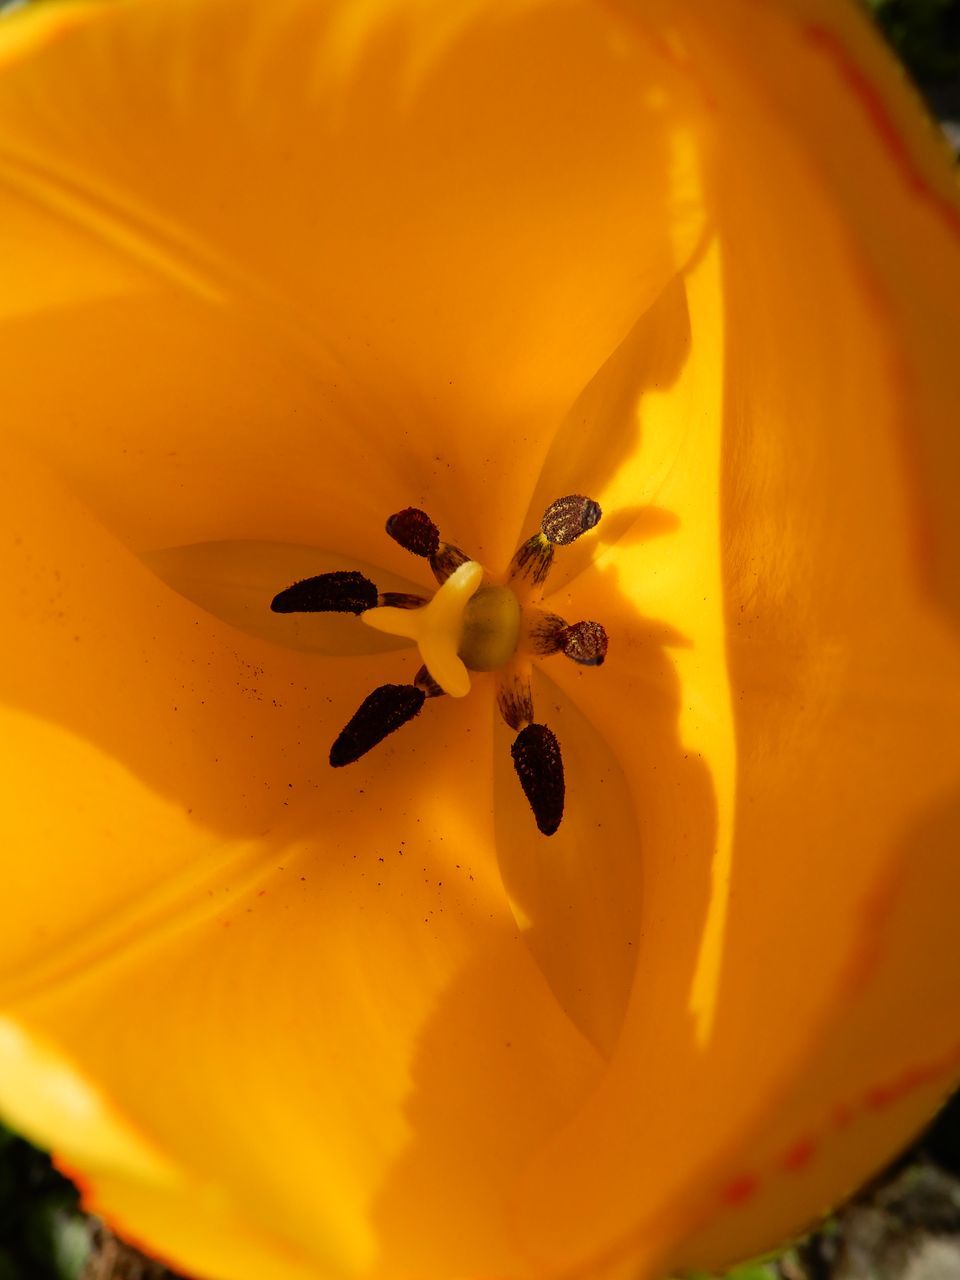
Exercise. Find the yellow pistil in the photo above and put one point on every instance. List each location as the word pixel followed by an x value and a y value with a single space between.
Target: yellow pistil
pixel 437 627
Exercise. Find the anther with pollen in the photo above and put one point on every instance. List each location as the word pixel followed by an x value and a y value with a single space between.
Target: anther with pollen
pixel 470 625
pixel 539 766
pixel 583 642
pixel 340 592
pixel 415 531
pixel 563 522
pixel 380 714
pixel 343 591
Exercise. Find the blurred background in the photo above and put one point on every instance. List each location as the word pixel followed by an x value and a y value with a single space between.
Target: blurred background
pixel 904 1226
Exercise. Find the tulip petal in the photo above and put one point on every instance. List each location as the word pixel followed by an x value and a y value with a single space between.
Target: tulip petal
pixel 44 1094
pixel 392 1048
pixel 218 938
pixel 384 243
pixel 774 1067
pixel 780 613
pixel 224 352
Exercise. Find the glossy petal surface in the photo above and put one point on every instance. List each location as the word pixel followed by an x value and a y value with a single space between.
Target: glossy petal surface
pixel 277 271
pixel 834 779
pixel 203 381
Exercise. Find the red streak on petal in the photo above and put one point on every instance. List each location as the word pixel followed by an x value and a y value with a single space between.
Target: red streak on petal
pixel 799 1155
pixel 842 1116
pixel 881 1096
pixel 873 104
pixel 739 1189
pixel 912 1078
pixel 918 1076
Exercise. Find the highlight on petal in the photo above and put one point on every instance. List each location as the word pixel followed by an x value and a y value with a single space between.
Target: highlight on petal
pixel 43 1097
pixel 50 1101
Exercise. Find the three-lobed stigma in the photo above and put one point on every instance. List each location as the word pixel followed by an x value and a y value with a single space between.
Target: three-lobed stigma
pixel 470 624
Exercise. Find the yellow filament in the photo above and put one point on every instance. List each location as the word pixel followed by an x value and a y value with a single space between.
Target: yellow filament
pixel 436 627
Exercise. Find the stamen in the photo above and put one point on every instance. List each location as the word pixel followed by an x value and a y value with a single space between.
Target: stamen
pixel 380 714
pixel 584 642
pixel 515 699
pixel 345 591
pixel 545 634
pixel 567 518
pixel 539 766
pixel 437 627
pixel 400 600
pixel 563 522
pixel 533 560
pixel 425 682
pixel 415 531
pixel 446 561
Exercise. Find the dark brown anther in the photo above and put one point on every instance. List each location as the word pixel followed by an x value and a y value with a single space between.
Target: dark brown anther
pixel 533 560
pixel 415 531
pixel 400 600
pixel 447 560
pixel 380 714
pixel 537 760
pixel 545 634
pixel 584 642
pixel 340 592
pixel 567 518
pixel 425 682
pixel 515 701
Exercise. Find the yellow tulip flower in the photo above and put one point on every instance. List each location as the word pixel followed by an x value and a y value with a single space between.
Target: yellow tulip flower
pixel 275 272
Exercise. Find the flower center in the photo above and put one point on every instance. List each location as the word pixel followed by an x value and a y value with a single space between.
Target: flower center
pixel 467 626
pixel 437 627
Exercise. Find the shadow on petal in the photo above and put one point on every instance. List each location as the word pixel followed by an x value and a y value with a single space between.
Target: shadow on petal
pixel 236 580
pixel 636 524
pixel 577 896
pixel 603 433
pixel 497 1067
